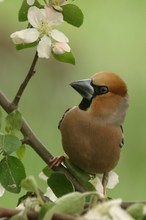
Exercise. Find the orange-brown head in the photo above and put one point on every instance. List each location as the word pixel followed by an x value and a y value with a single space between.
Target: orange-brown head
pixel 105 96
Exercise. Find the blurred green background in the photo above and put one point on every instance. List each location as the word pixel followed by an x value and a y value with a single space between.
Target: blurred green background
pixel 112 38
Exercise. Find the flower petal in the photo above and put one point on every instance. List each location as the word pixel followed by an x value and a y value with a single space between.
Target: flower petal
pixel 30 2
pixel 98 184
pixel 117 213
pixel 113 180
pixel 44 47
pixel 43 176
pixel 53 17
pixel 36 16
pixel 2 190
pixel 58 2
pixel 29 35
pixel 60 48
pixel 49 193
pixel 59 36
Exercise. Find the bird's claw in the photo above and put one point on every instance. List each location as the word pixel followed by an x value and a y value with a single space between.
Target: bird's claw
pixel 56 161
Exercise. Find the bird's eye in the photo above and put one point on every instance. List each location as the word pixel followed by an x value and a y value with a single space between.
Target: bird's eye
pixel 99 89
pixel 103 90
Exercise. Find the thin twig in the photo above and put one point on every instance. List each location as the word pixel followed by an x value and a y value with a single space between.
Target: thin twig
pixel 36 144
pixel 22 87
pixel 125 205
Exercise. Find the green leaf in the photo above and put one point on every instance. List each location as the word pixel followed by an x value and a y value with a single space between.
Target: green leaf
pixel 25 46
pixel 60 184
pixel 13 122
pixel 136 211
pixel 80 175
pixel 22 15
pixel 46 171
pixel 73 15
pixel 30 184
pixel 65 57
pixel 9 143
pixel 19 217
pixel 20 152
pixel 1 117
pixel 88 186
pixel 72 203
pixel 11 173
pixel 45 208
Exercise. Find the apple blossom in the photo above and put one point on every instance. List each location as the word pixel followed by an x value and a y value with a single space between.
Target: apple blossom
pixel 57 3
pixel 49 193
pixel 2 190
pixel 30 2
pixel 113 180
pixel 106 211
pixel 43 32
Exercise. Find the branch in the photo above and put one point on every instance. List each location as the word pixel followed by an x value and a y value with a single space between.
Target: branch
pixel 57 216
pixel 125 205
pixel 8 213
pixel 22 87
pixel 32 215
pixel 36 144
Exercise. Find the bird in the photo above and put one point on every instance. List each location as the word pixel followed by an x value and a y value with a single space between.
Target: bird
pixel 92 131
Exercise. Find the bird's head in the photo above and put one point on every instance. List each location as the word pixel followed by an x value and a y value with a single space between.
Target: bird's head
pixel 104 96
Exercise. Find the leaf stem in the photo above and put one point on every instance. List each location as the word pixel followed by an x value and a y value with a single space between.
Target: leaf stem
pixel 22 87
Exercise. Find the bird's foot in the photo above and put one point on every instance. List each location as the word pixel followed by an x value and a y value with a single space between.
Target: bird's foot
pixel 104 182
pixel 56 161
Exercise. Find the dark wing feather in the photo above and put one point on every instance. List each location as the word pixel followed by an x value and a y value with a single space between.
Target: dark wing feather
pixel 122 142
pixel 59 124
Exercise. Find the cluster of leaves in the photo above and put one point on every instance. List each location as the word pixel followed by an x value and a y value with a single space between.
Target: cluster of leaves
pixel 71 203
pixel 12 170
pixel 72 14
pixel 84 206
pixel 61 185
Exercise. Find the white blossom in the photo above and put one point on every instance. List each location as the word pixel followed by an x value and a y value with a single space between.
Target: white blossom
pixel 43 176
pixel 2 190
pixel 97 182
pixel 30 2
pixel 57 4
pixel 106 211
pixel 113 180
pixel 42 31
pixel 49 193
pixel 117 213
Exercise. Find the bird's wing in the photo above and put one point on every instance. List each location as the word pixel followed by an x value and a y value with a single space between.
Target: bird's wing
pixel 59 124
pixel 122 142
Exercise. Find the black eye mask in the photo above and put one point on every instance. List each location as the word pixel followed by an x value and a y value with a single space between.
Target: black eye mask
pixel 99 90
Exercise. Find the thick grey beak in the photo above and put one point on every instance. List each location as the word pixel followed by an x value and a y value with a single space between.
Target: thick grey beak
pixel 84 88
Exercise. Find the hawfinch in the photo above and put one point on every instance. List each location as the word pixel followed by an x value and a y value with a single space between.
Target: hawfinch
pixel 92 134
